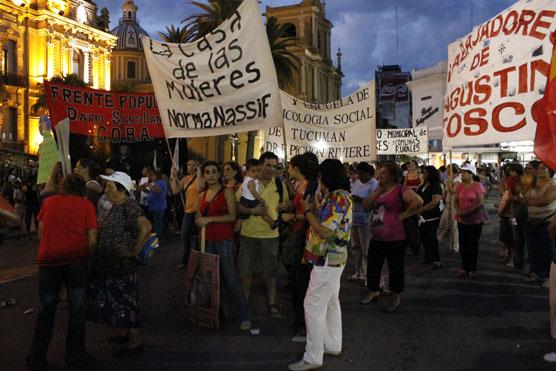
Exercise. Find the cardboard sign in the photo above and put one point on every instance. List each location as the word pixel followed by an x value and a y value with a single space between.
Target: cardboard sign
pixel 110 116
pixel 48 157
pixel 496 74
pixel 342 129
pixel 224 83
pixel 202 289
pixel 401 141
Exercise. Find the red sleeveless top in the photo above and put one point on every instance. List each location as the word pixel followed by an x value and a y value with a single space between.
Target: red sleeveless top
pixel 216 207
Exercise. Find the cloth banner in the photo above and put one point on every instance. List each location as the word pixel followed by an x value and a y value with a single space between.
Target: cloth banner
pixel 342 129
pixel 111 116
pixel 224 83
pixel 496 74
pixel 48 157
pixel 401 141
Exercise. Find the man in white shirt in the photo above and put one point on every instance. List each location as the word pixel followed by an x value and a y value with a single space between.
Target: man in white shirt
pixel 361 230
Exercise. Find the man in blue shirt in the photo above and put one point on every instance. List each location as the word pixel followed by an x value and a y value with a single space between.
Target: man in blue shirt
pixel 157 189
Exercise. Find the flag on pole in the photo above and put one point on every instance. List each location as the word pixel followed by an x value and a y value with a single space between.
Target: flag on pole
pixel 544 112
pixel 176 159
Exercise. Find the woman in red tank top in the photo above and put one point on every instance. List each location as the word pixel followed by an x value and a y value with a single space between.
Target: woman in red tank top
pixel 412 179
pixel 217 214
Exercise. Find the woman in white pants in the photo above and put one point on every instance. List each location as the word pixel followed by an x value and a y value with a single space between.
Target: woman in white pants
pixel 326 249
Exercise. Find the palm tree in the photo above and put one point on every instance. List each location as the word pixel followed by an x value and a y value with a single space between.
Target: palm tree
pixel 176 35
pixel 216 11
pixel 72 79
pixel 212 15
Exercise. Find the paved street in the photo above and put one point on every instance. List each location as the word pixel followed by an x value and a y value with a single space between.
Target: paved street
pixel 494 322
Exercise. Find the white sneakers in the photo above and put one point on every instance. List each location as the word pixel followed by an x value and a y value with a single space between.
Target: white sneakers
pixel 302 365
pixel 550 357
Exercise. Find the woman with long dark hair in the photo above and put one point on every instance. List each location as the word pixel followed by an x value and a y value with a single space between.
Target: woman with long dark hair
pixel 326 250
pixel 217 213
pixel 89 171
pixel 431 193
pixel 390 205
pixel 232 175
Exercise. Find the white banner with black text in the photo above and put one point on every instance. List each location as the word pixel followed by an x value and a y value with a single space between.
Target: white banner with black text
pixel 341 130
pixel 223 83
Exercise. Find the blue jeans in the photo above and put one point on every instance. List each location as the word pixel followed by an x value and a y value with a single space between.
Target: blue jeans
pixel 540 249
pixel 158 218
pixel 51 279
pixel 225 249
pixel 188 236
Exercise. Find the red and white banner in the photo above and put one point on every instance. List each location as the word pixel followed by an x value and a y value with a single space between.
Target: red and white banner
pixel 111 116
pixel 496 74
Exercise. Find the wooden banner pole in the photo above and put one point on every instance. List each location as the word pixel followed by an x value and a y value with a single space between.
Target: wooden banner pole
pixel 182 199
pixel 451 203
pixel 285 144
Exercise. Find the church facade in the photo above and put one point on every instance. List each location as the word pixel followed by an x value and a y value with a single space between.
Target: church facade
pixel 317 79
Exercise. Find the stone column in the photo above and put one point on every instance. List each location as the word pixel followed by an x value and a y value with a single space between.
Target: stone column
pixel 86 75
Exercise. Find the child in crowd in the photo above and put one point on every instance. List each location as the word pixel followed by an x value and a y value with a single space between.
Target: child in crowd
pixel 250 188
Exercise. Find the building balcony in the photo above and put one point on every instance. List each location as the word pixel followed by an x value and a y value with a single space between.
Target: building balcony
pixel 12 146
pixel 12 79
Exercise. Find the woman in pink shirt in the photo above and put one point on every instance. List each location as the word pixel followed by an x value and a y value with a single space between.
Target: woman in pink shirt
pixel 390 205
pixel 470 198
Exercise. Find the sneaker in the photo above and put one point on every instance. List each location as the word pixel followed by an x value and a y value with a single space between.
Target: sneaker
pixel 462 273
pixel 550 357
pixel 329 352
pixel 472 274
pixel 181 266
pixel 302 365
pixel 437 265
pixel 533 278
pixel 245 325
pixel 370 297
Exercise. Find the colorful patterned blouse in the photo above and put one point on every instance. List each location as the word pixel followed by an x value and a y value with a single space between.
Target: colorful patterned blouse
pixel 335 214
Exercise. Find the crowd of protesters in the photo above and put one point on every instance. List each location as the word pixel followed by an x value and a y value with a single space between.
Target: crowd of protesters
pixel 306 217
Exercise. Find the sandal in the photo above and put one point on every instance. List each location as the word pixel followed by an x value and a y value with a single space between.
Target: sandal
pixel 274 312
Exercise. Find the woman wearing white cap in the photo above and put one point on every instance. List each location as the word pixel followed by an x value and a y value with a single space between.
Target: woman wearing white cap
pixel 114 277
pixel 470 198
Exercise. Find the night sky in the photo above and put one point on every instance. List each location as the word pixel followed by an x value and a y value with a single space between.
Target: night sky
pixel 365 30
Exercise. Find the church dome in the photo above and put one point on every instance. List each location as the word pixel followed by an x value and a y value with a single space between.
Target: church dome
pixel 128 30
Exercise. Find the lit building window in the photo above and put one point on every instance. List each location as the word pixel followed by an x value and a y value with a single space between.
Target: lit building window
pixel 77 64
pixel 131 70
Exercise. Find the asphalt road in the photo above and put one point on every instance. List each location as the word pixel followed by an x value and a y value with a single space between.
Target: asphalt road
pixel 495 322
